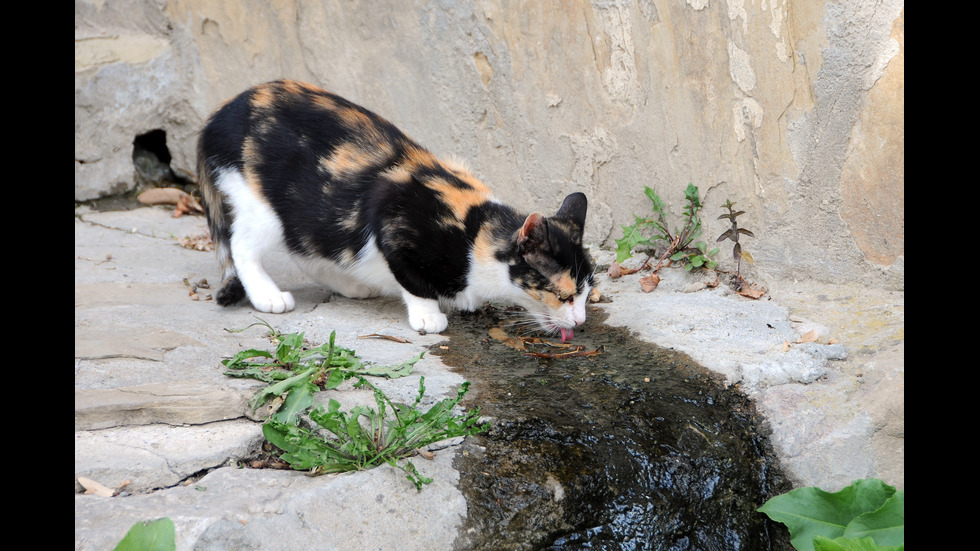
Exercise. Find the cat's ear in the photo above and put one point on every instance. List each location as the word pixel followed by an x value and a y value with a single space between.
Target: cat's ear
pixel 573 209
pixel 533 236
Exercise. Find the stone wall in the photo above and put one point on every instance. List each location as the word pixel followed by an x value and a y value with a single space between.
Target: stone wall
pixel 795 110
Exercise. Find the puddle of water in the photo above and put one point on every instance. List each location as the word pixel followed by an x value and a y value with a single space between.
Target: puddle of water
pixel 636 447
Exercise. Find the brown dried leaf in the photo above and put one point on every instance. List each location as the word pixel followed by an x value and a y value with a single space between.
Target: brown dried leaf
pixel 386 337
pixel 187 204
pixel 649 283
pixel 809 336
pixel 182 200
pixel 499 334
pixel 96 488
pixel 199 242
pixel 161 196
pixel 751 292
pixel 578 352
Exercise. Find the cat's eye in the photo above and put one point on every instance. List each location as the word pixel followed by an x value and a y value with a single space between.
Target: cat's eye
pixel 564 296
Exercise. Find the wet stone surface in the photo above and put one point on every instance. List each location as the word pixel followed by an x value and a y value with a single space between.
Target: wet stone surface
pixel 635 447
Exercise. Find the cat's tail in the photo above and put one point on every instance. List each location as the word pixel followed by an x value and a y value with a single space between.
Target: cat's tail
pixel 220 218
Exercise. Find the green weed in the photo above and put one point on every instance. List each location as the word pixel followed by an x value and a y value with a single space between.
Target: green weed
pixel 654 232
pixel 365 437
pixel 341 441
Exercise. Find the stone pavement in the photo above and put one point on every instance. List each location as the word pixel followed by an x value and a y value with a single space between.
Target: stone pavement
pixel 153 409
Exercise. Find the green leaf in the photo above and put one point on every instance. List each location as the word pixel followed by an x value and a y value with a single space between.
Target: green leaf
pixel 304 450
pixel 238 361
pixel 280 388
pixel 334 379
pixel 691 193
pixel 810 512
pixel 403 370
pixel 632 237
pixel 886 525
pixel 299 399
pixel 289 346
pixel 821 543
pixel 658 204
pixel 156 535
pixel 412 474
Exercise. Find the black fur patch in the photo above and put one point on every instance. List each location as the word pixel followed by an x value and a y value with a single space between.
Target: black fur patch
pixel 231 293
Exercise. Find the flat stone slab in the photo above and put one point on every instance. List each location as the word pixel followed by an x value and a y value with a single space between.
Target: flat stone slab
pixel 233 508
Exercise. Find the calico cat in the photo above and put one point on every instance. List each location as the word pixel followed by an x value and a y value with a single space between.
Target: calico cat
pixel 366 211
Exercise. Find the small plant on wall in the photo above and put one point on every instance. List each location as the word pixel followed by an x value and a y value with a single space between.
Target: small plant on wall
pixel 734 233
pixel 681 246
pixel 654 233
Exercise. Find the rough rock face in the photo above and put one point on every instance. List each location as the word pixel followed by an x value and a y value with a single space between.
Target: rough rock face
pixel 793 110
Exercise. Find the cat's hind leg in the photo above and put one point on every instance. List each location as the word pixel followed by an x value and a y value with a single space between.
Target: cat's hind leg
pixel 424 314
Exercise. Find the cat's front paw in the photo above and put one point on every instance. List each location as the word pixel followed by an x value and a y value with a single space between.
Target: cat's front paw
pixel 436 322
pixel 274 303
pixel 424 314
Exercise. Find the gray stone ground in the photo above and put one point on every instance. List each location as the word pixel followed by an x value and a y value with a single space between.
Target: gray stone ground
pixel 152 406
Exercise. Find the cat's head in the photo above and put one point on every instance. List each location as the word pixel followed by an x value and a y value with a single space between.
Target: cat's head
pixel 553 270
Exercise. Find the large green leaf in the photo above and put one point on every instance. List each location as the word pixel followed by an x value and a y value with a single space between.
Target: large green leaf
pixel 156 535
pixel 810 512
pixel 886 524
pixel 821 543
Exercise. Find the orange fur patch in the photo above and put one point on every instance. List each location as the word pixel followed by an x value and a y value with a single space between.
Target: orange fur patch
pixel 346 159
pixel 295 87
pixel 484 246
pixel 460 200
pixel 249 152
pixel 324 102
pixel 549 299
pixel 355 119
pixel 564 284
pixel 263 97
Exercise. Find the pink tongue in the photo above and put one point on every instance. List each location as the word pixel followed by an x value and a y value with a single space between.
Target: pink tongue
pixel 566 334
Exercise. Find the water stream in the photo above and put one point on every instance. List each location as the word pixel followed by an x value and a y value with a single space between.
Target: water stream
pixel 631 447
